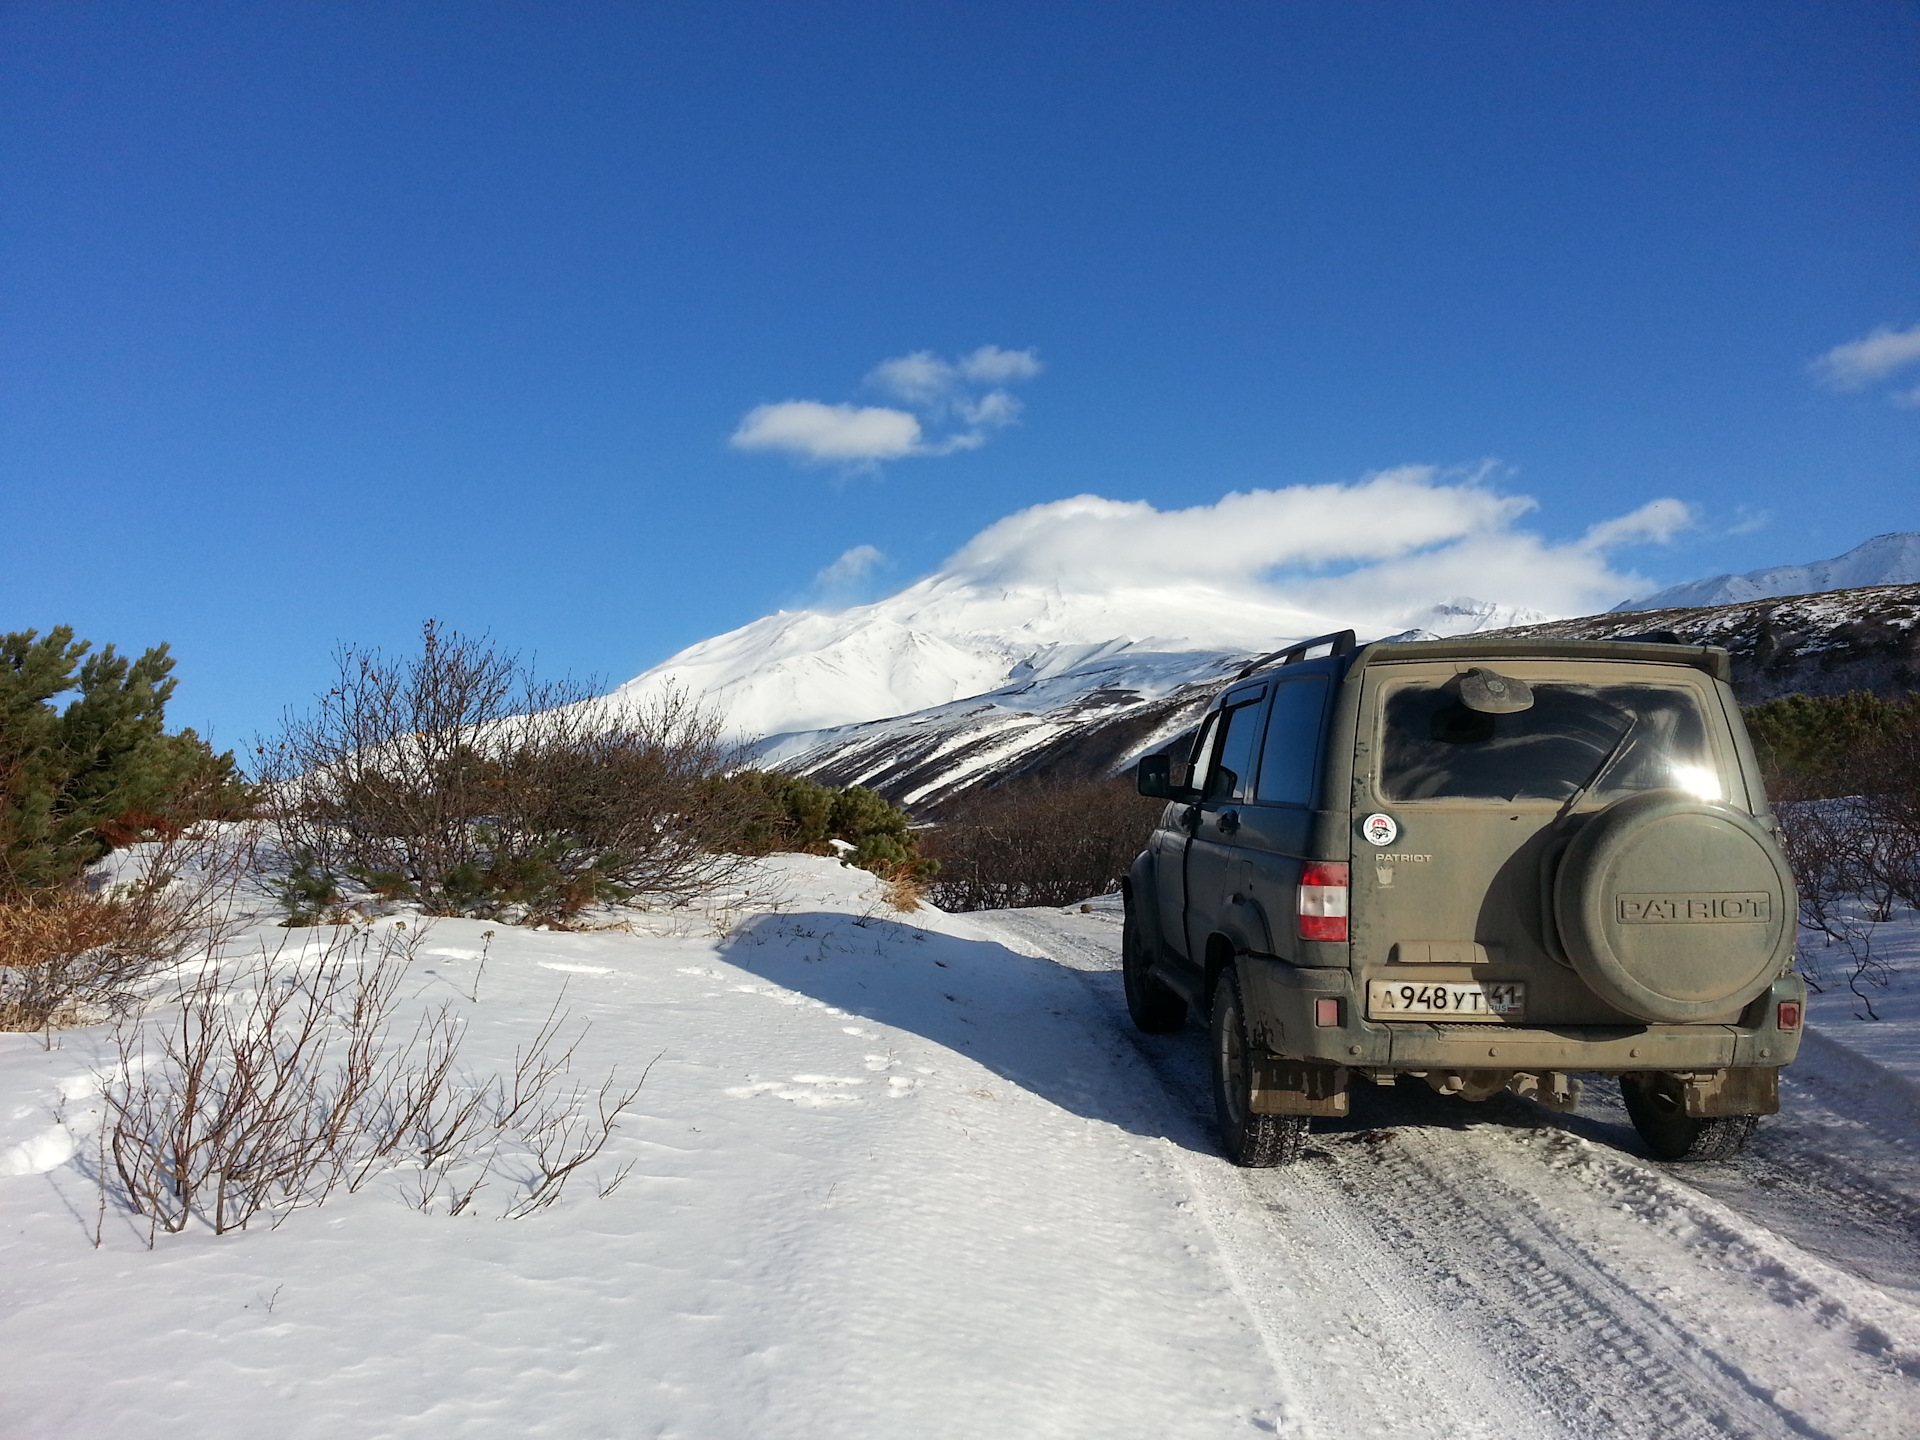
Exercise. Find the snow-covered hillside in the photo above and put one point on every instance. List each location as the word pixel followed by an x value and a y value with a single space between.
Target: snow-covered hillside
pixel 952 636
pixel 1092 718
pixel 1892 559
pixel 1820 644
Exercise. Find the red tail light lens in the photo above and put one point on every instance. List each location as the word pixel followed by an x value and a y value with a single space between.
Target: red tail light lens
pixel 1323 901
pixel 1787 1015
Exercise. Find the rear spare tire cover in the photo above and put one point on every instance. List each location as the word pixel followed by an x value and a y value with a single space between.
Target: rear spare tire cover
pixel 1673 908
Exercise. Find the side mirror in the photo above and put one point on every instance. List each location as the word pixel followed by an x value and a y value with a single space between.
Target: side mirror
pixel 1154 778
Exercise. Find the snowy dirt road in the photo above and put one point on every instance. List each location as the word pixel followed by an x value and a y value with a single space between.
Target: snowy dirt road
pixel 1446 1269
pixel 917 1176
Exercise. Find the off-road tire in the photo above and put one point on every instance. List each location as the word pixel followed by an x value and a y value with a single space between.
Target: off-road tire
pixel 1155 1008
pixel 1258 1142
pixel 1658 1113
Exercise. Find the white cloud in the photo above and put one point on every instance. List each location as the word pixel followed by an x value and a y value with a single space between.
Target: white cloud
pixel 1655 522
pixel 923 379
pixel 1859 363
pixel 992 410
pixel 856 434
pixel 949 395
pixel 1371 550
pixel 990 365
pixel 852 567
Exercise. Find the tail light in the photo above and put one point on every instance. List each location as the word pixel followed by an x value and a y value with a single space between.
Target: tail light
pixel 1787 1015
pixel 1323 901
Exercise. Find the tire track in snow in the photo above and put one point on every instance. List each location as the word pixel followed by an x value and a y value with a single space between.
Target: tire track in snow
pixel 1600 1355
pixel 1466 1264
pixel 1358 1348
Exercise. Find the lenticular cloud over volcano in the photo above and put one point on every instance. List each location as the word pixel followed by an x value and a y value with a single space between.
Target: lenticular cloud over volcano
pixel 1394 538
pixel 1050 585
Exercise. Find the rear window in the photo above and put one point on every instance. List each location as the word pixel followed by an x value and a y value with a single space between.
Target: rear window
pixel 1645 737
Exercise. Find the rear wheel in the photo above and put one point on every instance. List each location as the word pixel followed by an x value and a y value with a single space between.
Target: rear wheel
pixel 1256 1141
pixel 1155 1008
pixel 1657 1107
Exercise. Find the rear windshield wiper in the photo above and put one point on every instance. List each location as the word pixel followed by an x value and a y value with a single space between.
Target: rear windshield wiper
pixel 1606 767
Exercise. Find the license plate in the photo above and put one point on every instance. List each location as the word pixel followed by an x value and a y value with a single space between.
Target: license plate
pixel 1489 1000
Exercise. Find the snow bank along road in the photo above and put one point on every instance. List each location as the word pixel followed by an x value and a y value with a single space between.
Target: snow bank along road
pixel 914 1176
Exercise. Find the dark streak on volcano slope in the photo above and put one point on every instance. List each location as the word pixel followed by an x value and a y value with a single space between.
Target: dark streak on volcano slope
pixel 959 748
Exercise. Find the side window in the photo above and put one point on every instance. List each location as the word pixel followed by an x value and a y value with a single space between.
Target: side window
pixel 1287 762
pixel 1200 757
pixel 1232 774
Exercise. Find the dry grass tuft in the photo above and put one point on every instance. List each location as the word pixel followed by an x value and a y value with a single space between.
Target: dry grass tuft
pixel 72 955
pixel 62 925
pixel 904 891
pixel 64 951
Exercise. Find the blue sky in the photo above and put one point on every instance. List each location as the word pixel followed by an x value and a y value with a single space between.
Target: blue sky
pixel 323 319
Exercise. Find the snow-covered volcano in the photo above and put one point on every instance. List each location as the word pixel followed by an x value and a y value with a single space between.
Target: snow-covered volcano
pixel 1044 592
pixel 950 636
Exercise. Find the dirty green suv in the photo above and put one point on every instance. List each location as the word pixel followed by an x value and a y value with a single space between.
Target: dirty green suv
pixel 1492 864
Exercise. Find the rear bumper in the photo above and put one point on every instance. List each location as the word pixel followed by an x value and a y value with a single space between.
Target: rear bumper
pixel 1281 1016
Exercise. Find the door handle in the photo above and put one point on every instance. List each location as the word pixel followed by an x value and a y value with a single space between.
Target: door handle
pixel 1229 821
pixel 1190 817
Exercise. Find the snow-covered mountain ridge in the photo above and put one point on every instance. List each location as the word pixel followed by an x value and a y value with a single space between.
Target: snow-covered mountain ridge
pixel 951 637
pixel 1892 559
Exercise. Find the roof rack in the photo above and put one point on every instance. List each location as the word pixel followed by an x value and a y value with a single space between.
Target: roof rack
pixel 1339 642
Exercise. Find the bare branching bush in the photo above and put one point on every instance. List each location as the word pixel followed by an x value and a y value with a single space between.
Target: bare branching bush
pixel 265 1097
pixel 1038 842
pixel 552 1116
pixel 78 953
pixel 457 780
pixel 1845 774
pixel 1831 847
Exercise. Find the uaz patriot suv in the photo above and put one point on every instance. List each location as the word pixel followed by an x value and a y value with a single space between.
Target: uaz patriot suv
pixel 1490 864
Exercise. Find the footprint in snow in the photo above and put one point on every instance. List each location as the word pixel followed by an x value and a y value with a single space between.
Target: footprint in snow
pixel 813 1090
pixel 45 1151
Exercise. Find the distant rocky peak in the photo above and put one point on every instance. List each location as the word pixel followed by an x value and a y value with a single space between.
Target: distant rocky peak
pixel 1892 559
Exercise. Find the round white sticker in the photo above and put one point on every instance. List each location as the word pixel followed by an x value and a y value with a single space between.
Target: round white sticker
pixel 1380 829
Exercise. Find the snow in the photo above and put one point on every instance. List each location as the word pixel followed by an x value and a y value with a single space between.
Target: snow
pixel 1879 1023
pixel 882 1185
pixel 987 731
pixel 1892 559
pixel 953 635
pixel 913 1174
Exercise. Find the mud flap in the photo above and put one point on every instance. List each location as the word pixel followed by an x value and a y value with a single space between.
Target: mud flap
pixel 1749 1090
pixel 1296 1087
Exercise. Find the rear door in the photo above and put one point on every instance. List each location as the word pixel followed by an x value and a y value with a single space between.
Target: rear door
pixel 1479 805
pixel 1276 826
